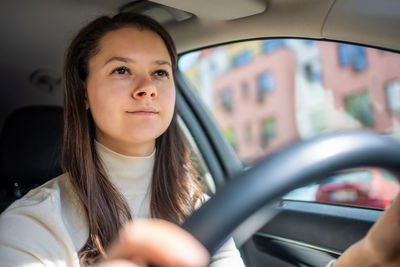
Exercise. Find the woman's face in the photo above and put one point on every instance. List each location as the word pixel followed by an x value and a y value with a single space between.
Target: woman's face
pixel 130 90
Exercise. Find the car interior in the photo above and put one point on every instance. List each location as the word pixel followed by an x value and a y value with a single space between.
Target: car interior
pixel 299 232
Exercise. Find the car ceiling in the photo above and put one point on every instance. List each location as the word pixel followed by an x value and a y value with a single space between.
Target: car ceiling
pixel 35 33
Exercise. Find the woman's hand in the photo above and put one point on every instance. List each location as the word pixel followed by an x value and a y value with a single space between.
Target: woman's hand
pixel 381 245
pixel 158 242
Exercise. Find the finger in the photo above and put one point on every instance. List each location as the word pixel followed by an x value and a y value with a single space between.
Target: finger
pixel 396 203
pixel 393 213
pixel 382 238
pixel 158 242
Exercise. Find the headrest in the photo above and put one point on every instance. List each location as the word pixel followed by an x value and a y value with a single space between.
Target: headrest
pixel 30 146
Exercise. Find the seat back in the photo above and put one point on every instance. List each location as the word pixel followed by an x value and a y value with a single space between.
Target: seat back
pixel 30 150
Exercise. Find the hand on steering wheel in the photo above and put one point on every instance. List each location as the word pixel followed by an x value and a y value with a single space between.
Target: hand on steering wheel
pixel 381 246
pixel 157 242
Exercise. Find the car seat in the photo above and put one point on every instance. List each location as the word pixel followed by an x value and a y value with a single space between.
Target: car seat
pixel 30 150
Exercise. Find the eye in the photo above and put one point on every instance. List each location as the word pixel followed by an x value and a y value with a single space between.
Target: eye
pixel 121 70
pixel 161 73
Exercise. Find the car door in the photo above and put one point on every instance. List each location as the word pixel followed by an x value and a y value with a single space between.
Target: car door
pixel 244 101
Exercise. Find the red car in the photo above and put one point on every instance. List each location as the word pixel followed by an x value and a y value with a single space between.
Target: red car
pixel 360 187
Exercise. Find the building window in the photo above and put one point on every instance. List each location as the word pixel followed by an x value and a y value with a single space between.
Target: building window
pixel 393 96
pixel 268 131
pixel 269 46
pixel 352 56
pixel 242 58
pixel 345 57
pixel 359 107
pixel 265 85
pixel 226 96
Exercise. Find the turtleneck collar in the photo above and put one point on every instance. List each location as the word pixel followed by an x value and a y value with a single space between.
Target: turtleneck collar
pixel 131 175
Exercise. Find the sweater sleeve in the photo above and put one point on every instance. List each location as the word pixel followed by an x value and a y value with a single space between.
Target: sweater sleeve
pixel 228 255
pixel 32 233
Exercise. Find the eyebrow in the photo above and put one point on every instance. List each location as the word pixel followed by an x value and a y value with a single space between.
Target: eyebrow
pixel 128 60
pixel 122 59
pixel 162 62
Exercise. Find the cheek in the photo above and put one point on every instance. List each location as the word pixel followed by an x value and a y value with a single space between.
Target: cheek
pixel 97 105
pixel 104 102
pixel 169 102
pixel 105 94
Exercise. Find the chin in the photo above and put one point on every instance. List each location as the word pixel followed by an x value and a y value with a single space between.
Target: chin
pixel 140 138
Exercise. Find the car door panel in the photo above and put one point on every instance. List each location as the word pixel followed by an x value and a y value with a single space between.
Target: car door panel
pixel 312 233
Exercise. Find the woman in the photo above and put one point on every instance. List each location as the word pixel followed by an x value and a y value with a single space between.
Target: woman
pixel 124 155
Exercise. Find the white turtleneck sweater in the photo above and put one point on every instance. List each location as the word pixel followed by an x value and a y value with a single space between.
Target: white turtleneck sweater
pixel 48 226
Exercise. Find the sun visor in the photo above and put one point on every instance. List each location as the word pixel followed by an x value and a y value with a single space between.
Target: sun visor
pixel 351 20
pixel 178 10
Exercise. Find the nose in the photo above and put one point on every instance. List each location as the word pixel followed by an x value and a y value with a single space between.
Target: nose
pixel 146 89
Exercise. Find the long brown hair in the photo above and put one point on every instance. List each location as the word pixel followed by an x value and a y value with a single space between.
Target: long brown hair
pixel 174 189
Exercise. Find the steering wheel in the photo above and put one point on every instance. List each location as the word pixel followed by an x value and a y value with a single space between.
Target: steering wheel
pixel 276 175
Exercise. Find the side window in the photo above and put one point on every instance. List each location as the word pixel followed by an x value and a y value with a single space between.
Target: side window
pixel 266 94
pixel 205 178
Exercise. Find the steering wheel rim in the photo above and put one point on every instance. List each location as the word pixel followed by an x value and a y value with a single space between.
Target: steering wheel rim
pixel 292 167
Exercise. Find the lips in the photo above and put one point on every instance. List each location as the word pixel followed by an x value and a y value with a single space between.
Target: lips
pixel 144 111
